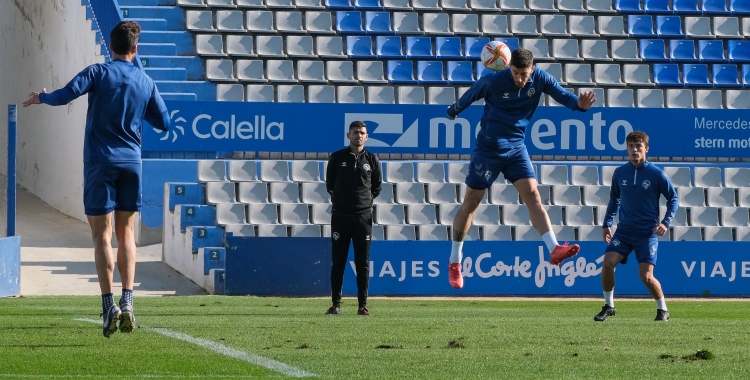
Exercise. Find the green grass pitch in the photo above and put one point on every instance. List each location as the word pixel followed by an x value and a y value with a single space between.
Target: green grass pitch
pixel 44 337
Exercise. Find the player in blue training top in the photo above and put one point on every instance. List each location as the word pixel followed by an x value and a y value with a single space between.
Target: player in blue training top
pixel 511 97
pixel 120 97
pixel 635 192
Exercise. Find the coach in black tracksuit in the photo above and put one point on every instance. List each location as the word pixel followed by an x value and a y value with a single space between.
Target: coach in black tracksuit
pixel 353 179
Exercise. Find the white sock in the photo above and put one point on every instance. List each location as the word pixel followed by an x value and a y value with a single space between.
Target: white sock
pixel 550 239
pixel 661 304
pixel 456 254
pixel 609 298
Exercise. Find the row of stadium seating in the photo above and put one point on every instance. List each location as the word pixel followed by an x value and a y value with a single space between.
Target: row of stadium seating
pixel 386 22
pixel 605 6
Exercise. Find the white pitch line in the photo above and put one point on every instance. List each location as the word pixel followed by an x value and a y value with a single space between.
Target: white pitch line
pixel 224 350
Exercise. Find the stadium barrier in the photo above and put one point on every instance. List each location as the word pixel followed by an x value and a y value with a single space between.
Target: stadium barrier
pixel 10 245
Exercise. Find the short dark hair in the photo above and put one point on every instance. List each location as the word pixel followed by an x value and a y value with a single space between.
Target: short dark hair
pixel 636 137
pixel 521 58
pixel 357 124
pixel 124 37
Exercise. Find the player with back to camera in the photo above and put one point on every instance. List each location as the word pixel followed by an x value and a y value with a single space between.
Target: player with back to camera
pixel 511 96
pixel 636 189
pixel 120 97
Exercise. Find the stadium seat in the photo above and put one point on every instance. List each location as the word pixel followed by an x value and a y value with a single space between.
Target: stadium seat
pixel 713 233
pixel 595 50
pixel 523 24
pixel 349 22
pixel 211 170
pixel 473 46
pixel 625 50
pixel 726 26
pixel 329 46
pixel 538 47
pixel 446 213
pixel 350 94
pixel 554 69
pixel 720 196
pixel 578 74
pixel 410 192
pixel 401 72
pixel 739 51
pixel 513 5
pixel 411 95
pixel 301 4
pixel 321 213
pixel 669 26
pixel 310 71
pixel 242 229
pixel 594 195
pixel 243 171
pixel 294 213
pixel 590 233
pixel 209 45
pixel 497 233
pixel 628 6
pixel 679 98
pixel 565 49
pixel 713 6
pixel 607 172
pixel 270 230
pixel 378 22
pixel 419 47
pixel 598 93
pixel 430 172
pixel 640 26
pixel 613 26
pixel 608 74
pixel 299 46
pixel 738 99
pixel 511 42
pixel 457 172
pixel 515 215
pixel 368 4
pixel 691 196
pixel 338 4
pixel 370 72
pixel 220 192
pixel 197 21
pixel 259 93
pixel 542 5
pixel 553 174
pixel 637 74
pixel 462 194
pixel 737 177
pixel 709 99
pixel 707 176
pixel 739 7
pixel 454 5
pixel 685 6
pixel 563 195
pixel 280 70
pixel 381 94
pixel 582 26
pixel 553 25
pixel 448 47
pixel 318 22
pixel 656 6
pixel 544 194
pixel 262 213
pixel 378 232
pixel 695 75
pixel 284 192
pixel 259 21
pixel 704 216
pixel 389 214
pixel 441 193
pixel 436 23
pixel 584 175
pixel 386 194
pixel 270 46
pixel 503 194
pixel 240 45
pixel 620 97
pixel 425 5
pixel 459 72
pixel 743 197
pixel 230 93
pixel 406 23
pixel 340 71
pixel 389 47
pixel 686 233
pixel 288 22
pixel 315 193
pixel 698 27
pixel 579 216
pixel 745 75
pixel 465 23
pixel 571 6
pixel 711 50
pixel 682 50
pixel 359 47
pixel 734 216
pixel 667 75
pixel 400 232
pixel 421 214
pixel 653 50
pixel 495 24
pixel 305 171
pixel 650 98
pixel 304 230
pixel 279 3
pixel 486 215
pixel 679 175
pixel 220 70
pixel 432 232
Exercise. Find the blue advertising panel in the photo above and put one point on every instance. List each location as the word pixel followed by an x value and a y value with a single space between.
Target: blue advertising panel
pixel 301 266
pixel 425 129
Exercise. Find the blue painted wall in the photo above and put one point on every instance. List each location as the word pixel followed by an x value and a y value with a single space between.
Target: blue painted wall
pixel 10 266
pixel 155 174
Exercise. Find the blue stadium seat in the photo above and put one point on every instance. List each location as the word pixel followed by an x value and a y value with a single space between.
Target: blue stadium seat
pixel 685 7
pixel 419 47
pixel 653 50
pixel 460 72
pixel 481 70
pixel 473 46
pixel 430 72
pixel 746 75
pixel 739 7
pixel 695 75
pixel 656 6
pixel 739 51
pixel 448 47
pixel 511 42
pixel 349 22
pixel 725 76
pixel 378 23
pixel 667 75
pixel 359 47
pixel 389 47
pixel 713 6
pixel 669 26
pixel 628 6
pixel 401 72
pixel 711 50
pixel 338 4
pixel 368 4
pixel 682 50
pixel 640 26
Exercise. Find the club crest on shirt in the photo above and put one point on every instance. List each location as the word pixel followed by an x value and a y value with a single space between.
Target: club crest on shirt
pixel 366 167
pixel 532 91
pixel 487 175
pixel 335 236
pixel 646 184
pixel 615 242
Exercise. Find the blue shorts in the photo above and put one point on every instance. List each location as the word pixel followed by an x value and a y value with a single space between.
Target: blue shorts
pixel 109 186
pixel 645 246
pixel 487 163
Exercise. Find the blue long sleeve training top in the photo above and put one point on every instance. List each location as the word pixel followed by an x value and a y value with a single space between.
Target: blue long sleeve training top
pixel 507 108
pixel 121 96
pixel 635 191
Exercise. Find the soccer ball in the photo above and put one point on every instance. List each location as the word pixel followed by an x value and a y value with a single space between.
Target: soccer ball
pixel 495 55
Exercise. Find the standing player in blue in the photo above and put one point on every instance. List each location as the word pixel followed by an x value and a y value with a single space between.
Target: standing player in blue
pixel 635 192
pixel 511 96
pixel 120 97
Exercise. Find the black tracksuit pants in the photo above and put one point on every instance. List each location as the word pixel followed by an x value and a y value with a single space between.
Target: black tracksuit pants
pixel 356 229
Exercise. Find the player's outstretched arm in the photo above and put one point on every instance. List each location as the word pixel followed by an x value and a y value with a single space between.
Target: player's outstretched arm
pixel 34 98
pixel 586 100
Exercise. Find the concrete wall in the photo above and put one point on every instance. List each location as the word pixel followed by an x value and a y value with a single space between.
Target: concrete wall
pixel 43 44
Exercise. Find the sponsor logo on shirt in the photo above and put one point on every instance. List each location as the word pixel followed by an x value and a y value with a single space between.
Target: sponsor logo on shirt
pixel 506 95
pixel 624 182
pixel 343 164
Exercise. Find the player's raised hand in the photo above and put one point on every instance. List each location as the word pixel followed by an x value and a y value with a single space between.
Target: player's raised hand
pixel 34 98
pixel 586 100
